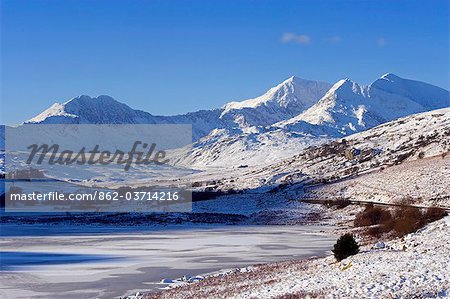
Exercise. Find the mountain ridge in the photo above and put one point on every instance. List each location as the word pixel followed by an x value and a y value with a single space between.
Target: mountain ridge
pixel 280 102
pixel 299 106
pixel 349 107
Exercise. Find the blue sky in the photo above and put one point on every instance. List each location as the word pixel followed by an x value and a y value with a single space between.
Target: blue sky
pixel 169 57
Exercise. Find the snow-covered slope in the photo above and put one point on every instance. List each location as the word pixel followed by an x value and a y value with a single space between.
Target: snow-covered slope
pixel 348 107
pixel 225 149
pixel 422 182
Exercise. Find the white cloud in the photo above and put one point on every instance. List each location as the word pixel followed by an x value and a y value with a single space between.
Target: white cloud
pixel 289 37
pixel 381 42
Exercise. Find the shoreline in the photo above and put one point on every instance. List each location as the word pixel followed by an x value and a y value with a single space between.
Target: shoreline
pixel 373 273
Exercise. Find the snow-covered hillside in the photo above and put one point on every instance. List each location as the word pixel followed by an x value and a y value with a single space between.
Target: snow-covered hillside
pixel 223 149
pixel 421 182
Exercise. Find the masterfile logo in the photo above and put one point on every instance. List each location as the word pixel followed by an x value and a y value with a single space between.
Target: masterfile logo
pixel 84 168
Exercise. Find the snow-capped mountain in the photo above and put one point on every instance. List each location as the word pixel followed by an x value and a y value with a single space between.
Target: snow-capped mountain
pixel 348 107
pixel 105 110
pixel 281 102
pixel 345 109
pixel 84 109
pixel 295 105
pixel 286 100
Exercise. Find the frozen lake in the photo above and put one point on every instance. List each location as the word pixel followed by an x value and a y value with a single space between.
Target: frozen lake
pixel 105 262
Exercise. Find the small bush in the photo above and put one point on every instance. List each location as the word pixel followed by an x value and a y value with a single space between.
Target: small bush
pixel 345 246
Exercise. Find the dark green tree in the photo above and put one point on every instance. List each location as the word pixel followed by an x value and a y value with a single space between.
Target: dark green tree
pixel 345 246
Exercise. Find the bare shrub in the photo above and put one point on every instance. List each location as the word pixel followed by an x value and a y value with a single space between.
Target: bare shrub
pixel 403 219
pixel 372 215
pixel 407 219
pixel 434 213
pixel 374 231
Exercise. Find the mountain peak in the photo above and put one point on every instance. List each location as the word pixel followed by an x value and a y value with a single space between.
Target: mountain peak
pixel 296 81
pixel 291 79
pixel 292 90
pixel 348 107
pixel 390 76
pixel 425 95
pixel 346 88
pixel 294 78
pixel 102 109
pixel 85 99
pixel 342 82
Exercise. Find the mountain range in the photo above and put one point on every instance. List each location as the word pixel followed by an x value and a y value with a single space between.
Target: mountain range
pixel 282 102
pixel 345 106
pixel 294 114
